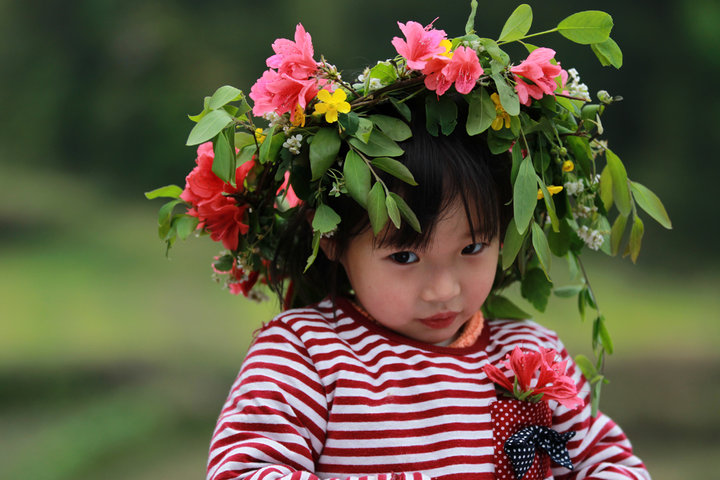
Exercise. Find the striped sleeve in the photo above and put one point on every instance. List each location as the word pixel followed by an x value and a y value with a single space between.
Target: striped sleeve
pixel 273 424
pixel 599 450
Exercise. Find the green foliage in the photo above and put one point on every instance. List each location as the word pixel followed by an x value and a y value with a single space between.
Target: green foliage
pixel 608 52
pixel 481 112
pixel 517 25
pixel 536 288
pixel 587 27
pixel 524 195
pixel 357 177
pixel 323 151
pixel 377 209
pixel 394 168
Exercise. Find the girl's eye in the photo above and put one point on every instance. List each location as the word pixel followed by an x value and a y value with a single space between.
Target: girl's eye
pixel 473 249
pixel 404 258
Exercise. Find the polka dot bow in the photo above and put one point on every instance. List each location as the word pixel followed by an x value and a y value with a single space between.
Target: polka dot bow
pixel 520 447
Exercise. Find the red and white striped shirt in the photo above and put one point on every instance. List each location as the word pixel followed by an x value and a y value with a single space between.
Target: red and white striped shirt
pixel 325 393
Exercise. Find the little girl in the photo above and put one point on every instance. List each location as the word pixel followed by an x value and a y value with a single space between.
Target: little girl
pixel 391 212
pixel 384 378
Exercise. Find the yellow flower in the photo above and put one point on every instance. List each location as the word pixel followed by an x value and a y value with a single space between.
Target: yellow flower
pixel 448 45
pixel 568 166
pixel 298 119
pixel 552 190
pixel 502 115
pixel 259 135
pixel 332 103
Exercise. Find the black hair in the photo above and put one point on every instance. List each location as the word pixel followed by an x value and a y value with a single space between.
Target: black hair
pixel 446 167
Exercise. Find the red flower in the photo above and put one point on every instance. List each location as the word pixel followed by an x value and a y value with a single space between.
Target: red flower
pixel 536 374
pixel 240 282
pixel 208 196
pixel 538 69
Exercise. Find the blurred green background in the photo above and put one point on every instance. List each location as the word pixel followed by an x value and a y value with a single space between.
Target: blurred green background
pixel 114 361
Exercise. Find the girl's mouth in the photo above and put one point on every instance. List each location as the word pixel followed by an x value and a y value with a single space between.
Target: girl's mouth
pixel 439 321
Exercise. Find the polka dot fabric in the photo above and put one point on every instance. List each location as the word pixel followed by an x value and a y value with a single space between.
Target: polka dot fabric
pixel 510 416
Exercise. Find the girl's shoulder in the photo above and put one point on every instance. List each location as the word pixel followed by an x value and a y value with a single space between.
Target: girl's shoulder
pixel 506 334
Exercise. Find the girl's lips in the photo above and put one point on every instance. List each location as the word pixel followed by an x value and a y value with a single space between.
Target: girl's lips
pixel 439 321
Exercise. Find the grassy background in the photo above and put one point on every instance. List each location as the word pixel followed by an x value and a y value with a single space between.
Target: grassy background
pixel 114 361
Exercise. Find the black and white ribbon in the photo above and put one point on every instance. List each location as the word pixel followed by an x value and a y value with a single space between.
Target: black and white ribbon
pixel 521 446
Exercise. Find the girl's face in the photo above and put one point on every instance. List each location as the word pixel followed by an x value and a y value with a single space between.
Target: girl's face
pixel 428 294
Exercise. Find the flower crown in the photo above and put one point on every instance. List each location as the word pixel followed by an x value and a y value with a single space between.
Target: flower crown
pixel 256 164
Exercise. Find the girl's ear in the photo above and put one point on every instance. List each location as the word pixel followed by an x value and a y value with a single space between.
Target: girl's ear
pixel 327 245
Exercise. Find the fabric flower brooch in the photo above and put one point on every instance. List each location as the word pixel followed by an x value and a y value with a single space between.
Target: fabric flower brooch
pixel 521 416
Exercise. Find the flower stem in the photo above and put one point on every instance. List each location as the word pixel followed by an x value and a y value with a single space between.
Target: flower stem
pixel 531 35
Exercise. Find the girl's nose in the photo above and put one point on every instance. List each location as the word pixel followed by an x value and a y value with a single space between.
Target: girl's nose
pixel 442 286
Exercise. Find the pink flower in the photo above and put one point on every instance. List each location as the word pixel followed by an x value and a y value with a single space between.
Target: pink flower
pixel 434 71
pixel 538 69
pixel 287 189
pixel 207 194
pixel 294 58
pixel 421 43
pixel 281 93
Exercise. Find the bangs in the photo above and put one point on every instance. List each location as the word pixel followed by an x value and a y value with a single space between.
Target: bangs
pixel 449 169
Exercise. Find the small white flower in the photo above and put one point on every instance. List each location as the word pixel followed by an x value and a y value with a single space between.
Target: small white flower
pixel 293 143
pixel 574 188
pixel 375 84
pixel 583 211
pixel 592 238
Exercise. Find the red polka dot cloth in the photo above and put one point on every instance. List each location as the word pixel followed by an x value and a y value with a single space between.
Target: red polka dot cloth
pixel 523 440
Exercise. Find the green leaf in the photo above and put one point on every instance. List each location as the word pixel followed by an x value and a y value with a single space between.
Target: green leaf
pixel 243 139
pixel 357 177
pixel 536 288
pixel 601 336
pixel 393 127
pixel 616 233
pixel 271 146
pixel 224 263
pixel 402 109
pixel 608 52
pixel 524 195
pixel 349 122
pixel 650 202
pixel 440 115
pixel 315 249
pixel 325 219
pixel 542 249
pixel 377 210
pixel 511 244
pixel 501 58
pixel 549 204
pixel 497 306
pixel 185 225
pixel 586 367
pixel 364 129
pixel 378 145
pixel 481 111
pixel 165 213
pixel 392 210
pixel 517 25
pixel 223 165
pixel 394 168
pixel 591 26
pixel 224 95
pixel 621 192
pixel 323 150
pixel 168 191
pixel 384 72
pixel 606 188
pixel 508 97
pixel 568 291
pixel 208 127
pixel 636 234
pixel 406 212
pixel 470 24
pixel 559 241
